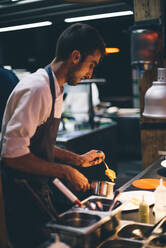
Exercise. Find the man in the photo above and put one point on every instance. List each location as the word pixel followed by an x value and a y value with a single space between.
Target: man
pixel 8 81
pixel 30 157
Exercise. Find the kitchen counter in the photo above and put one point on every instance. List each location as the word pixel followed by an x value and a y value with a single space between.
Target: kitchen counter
pixel 149 172
pixel 109 238
pixel 130 218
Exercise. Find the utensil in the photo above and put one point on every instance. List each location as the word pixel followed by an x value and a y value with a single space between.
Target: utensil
pixel 155 227
pixel 116 194
pixel 106 165
pixel 67 192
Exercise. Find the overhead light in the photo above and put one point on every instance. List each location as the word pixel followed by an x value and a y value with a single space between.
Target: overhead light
pixel 99 16
pixel 25 26
pixel 155 97
pixel 112 50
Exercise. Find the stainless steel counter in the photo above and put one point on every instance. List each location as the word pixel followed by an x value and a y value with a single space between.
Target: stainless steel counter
pixel 149 172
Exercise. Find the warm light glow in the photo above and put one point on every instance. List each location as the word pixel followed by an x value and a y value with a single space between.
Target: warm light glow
pixel 25 26
pixel 150 36
pixel 112 50
pixel 99 16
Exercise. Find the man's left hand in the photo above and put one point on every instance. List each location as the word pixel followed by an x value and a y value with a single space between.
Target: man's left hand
pixel 92 157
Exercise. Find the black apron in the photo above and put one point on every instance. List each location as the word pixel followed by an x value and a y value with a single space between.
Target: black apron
pixel 31 201
pixel 28 197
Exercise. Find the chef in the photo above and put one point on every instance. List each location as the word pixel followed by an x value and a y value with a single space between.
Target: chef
pixel 30 159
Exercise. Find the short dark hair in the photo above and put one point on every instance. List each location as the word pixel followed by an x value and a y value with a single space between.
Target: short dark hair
pixel 81 37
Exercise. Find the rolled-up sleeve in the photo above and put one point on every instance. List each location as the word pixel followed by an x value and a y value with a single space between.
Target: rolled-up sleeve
pixel 24 113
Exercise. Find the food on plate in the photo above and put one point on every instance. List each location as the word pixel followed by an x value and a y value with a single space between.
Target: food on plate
pixel 135 201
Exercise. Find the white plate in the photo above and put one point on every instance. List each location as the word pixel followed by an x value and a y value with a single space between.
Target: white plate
pixel 131 199
pixel 163 163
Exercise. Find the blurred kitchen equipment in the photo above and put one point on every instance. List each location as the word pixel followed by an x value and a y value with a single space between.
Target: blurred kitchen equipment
pixel 67 192
pixel 116 194
pixel 160 201
pixel 155 227
pixel 102 188
pixel 79 227
pixel 99 203
pixel 155 97
pixel 163 163
pixel 153 232
pixel 144 47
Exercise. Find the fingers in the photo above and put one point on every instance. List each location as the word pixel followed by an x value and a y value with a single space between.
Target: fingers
pixel 98 157
pixel 92 157
pixel 77 180
pixel 101 154
pixel 96 161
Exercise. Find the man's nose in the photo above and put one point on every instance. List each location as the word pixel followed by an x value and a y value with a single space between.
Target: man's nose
pixel 89 74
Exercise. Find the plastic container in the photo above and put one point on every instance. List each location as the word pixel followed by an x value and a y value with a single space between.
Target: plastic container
pixel 144 211
pixel 160 201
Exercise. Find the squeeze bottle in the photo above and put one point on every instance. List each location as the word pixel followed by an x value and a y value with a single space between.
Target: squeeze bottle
pixel 160 201
pixel 144 211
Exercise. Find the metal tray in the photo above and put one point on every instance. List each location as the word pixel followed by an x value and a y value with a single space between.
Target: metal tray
pixel 84 228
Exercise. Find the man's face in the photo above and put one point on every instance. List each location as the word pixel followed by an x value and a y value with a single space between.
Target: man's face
pixel 84 69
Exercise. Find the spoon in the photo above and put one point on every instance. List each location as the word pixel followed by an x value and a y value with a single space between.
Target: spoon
pixel 155 227
pixel 106 165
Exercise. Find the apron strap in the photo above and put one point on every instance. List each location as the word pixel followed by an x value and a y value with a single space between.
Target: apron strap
pixel 4 240
pixel 52 88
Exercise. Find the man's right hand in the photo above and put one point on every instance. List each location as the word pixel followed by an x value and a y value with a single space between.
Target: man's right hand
pixel 76 179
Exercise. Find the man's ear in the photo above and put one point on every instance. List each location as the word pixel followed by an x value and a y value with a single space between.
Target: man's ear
pixel 76 56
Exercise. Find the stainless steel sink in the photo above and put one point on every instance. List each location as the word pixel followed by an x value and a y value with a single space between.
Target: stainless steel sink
pixel 134 231
pixel 84 228
pixel 159 241
pixel 120 243
pixel 77 219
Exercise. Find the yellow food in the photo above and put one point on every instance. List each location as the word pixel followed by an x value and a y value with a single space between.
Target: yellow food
pixel 135 201
pixel 111 174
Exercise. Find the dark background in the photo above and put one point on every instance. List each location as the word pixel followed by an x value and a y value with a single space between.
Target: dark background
pixel 33 48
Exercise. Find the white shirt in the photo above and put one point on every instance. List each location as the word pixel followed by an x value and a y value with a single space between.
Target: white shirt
pixel 28 106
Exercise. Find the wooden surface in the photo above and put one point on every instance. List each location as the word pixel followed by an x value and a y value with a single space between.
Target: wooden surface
pixel 147 9
pixel 152 142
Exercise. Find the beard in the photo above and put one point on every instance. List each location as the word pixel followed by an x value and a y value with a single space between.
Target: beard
pixel 72 78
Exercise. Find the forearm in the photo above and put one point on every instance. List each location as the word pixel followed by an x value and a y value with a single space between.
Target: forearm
pixel 68 157
pixel 31 164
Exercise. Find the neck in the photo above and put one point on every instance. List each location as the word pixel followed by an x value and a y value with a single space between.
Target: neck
pixel 60 70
